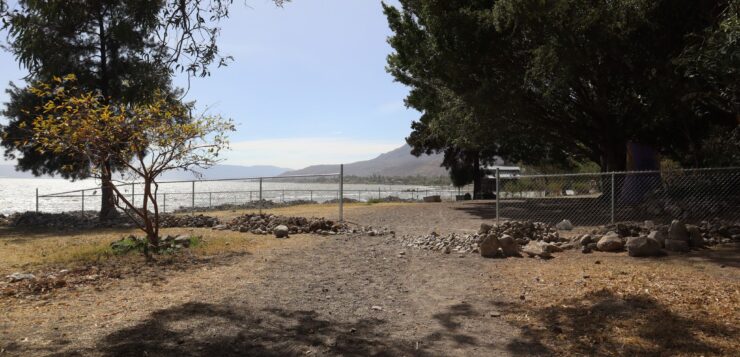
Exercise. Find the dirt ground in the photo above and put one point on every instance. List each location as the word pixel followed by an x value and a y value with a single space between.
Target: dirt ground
pixel 245 295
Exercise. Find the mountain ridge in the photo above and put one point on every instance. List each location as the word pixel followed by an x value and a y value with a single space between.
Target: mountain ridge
pixel 396 163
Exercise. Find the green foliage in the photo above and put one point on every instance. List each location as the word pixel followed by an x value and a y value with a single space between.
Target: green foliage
pixel 565 81
pixel 146 139
pixel 124 50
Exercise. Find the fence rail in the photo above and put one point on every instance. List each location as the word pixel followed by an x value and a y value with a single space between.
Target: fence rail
pixel 582 198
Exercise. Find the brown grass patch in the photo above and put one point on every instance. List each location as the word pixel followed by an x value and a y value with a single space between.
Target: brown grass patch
pixel 623 306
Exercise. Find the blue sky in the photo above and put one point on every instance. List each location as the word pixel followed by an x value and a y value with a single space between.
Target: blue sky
pixel 308 84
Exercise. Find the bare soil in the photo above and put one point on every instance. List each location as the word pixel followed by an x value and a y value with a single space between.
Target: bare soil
pixel 360 295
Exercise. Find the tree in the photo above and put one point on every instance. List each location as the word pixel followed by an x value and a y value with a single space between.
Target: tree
pixel 558 81
pixel 125 50
pixel 147 139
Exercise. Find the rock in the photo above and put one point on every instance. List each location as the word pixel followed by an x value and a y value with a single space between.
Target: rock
pixel 494 314
pixel 610 243
pixel 484 228
pixel 489 246
pixel 585 239
pixel 695 238
pixel 537 249
pixel 377 308
pixel 592 246
pixel 678 231
pixel 658 236
pixel 509 246
pixel 676 245
pixel 552 248
pixel 20 277
pixel 220 227
pixel 564 225
pixel 586 249
pixel 183 240
pixel 281 231
pixel 643 247
pixel 649 225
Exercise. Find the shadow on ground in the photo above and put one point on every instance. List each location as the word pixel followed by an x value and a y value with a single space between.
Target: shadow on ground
pixel 202 329
pixel 604 323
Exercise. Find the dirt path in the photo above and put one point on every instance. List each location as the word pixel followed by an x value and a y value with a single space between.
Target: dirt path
pixel 344 296
pixel 360 296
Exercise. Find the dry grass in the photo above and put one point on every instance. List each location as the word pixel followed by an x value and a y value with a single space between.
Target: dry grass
pixel 329 211
pixel 623 306
pixel 24 250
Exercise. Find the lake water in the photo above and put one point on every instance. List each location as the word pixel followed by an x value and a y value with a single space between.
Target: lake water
pixel 19 195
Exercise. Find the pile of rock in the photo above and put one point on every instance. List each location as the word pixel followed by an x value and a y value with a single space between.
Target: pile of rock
pixel 505 239
pixel 522 231
pixel 536 239
pixel 649 239
pixel 76 220
pixel 282 226
pixel 198 221
pixel 460 243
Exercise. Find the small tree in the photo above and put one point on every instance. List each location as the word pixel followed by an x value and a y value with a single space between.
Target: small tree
pixel 146 139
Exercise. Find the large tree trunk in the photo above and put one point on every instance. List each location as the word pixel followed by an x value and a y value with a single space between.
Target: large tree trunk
pixel 107 203
pixel 477 177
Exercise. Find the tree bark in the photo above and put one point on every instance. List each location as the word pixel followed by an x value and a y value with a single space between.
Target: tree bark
pixel 476 176
pixel 107 204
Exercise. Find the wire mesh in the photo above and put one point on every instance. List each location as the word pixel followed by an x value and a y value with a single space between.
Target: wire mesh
pixel 601 198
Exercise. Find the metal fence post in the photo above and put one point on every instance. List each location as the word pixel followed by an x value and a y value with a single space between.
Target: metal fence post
pixel 164 203
pixel 341 193
pixel 192 203
pixel 498 192
pixel 37 200
pixel 210 197
pixel 260 202
pixel 83 202
pixel 614 188
pixel 132 195
pixel 310 195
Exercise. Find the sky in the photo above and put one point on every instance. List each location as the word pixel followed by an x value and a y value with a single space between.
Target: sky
pixel 308 84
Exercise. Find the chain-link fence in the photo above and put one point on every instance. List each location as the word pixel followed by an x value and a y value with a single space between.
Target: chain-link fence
pixel 248 193
pixel 600 198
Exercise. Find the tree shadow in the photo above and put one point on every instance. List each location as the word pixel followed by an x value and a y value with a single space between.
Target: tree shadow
pixel 726 255
pixel 203 329
pixel 604 323
pixel 450 321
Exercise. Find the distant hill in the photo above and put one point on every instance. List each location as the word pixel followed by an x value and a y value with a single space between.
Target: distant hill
pixel 214 173
pixel 397 163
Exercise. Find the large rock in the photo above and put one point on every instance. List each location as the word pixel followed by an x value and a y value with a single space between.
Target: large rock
pixel 509 245
pixel 676 245
pixel 659 236
pixel 484 228
pixel 183 240
pixel 695 238
pixel 281 231
pixel 678 231
pixel 610 243
pixel 643 247
pixel 584 240
pixel 489 246
pixel 537 249
pixel 564 225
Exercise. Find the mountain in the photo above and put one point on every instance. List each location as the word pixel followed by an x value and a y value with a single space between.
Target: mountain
pixel 213 173
pixel 398 163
